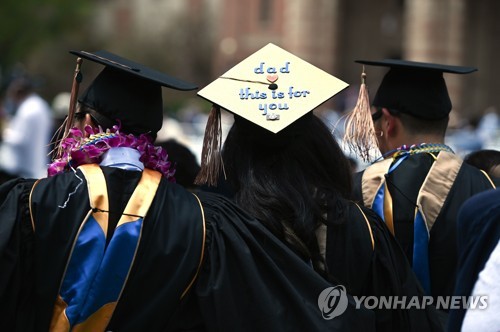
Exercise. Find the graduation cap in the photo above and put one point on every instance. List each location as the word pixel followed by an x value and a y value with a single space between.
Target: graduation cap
pixel 272 88
pixel 128 91
pixel 410 87
pixel 415 88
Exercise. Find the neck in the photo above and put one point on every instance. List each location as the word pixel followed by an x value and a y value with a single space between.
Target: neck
pixel 405 150
pixel 417 139
pixel 407 142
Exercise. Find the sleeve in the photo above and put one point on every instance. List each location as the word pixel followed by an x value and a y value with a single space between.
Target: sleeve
pixel 251 281
pixel 381 270
pixel 16 246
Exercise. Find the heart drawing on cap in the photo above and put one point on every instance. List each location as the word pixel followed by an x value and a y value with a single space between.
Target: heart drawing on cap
pixel 272 78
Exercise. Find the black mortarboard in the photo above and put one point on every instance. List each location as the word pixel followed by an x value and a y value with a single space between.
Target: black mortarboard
pixel 415 88
pixel 128 91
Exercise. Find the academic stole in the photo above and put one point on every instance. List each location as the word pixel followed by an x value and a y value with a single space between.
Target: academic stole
pixel 96 274
pixel 432 195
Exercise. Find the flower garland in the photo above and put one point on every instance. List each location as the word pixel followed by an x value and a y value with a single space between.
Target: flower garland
pixel 79 149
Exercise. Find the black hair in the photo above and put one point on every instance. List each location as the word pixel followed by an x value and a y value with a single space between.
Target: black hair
pixel 98 118
pixel 291 181
pixel 414 125
pixel 186 165
pixel 485 160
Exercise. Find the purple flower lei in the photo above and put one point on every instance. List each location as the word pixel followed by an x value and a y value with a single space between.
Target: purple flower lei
pixel 79 150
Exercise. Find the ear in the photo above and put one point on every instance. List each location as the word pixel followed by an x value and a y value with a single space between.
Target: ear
pixel 88 120
pixel 390 122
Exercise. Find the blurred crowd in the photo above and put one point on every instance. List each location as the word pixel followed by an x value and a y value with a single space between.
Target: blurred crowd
pixel 29 125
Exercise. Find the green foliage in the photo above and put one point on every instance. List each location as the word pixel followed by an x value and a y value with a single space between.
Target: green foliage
pixel 25 24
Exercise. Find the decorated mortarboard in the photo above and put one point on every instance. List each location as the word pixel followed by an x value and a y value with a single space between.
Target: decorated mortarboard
pixel 129 92
pixel 272 88
pixel 410 87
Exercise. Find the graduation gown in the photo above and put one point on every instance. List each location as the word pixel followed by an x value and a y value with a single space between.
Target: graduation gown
pixel 363 255
pixel 478 235
pixel 187 263
pixel 419 197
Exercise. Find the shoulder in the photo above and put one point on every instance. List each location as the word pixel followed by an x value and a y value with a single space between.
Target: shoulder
pixel 488 199
pixel 369 224
pixel 361 213
pixel 375 169
pixel 475 177
pixel 216 204
pixel 14 206
pixel 356 224
pixel 480 207
pixel 367 182
pixel 15 187
pixel 60 184
pixel 213 208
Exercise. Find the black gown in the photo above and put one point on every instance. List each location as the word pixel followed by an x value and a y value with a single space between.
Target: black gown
pixel 362 255
pixel 200 263
pixel 452 183
pixel 478 234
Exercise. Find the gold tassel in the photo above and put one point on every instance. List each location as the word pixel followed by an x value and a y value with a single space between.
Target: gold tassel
pixel 68 122
pixel 359 133
pixel 211 158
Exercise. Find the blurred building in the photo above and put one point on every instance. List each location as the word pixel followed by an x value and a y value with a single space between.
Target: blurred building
pixel 200 39
pixel 331 34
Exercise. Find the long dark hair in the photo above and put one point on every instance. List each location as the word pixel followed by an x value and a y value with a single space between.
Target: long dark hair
pixel 290 181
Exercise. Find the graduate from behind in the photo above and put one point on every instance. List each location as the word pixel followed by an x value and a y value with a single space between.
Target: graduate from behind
pixel 286 169
pixel 109 242
pixel 419 184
